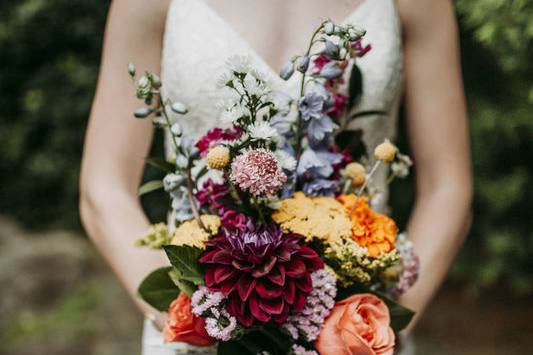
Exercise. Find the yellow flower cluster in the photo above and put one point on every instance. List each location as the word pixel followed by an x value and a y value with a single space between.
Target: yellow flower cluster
pixel 190 233
pixel 156 236
pixel 352 264
pixel 313 217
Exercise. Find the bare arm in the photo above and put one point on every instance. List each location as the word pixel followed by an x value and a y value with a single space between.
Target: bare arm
pixel 438 134
pixel 116 143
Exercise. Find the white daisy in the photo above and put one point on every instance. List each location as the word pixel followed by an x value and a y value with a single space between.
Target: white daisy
pixel 231 115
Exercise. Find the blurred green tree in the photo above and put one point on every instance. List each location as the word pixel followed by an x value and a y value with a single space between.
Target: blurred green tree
pixel 50 54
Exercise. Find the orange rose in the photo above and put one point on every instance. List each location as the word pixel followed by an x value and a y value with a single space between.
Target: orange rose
pixel 358 325
pixel 184 326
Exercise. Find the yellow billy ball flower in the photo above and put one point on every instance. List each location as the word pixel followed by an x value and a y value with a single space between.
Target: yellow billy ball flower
pixel 218 157
pixel 386 151
pixel 356 173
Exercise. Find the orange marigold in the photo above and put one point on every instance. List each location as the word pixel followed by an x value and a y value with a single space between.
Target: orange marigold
pixel 370 229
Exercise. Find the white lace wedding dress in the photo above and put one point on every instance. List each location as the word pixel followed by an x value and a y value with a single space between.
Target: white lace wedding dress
pixel 196 45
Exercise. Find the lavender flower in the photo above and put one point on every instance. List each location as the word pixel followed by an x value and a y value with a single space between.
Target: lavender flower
pixel 331 71
pixel 410 266
pixel 320 301
pixel 317 163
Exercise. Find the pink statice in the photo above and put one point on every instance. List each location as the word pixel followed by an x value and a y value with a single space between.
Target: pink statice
pixel 300 350
pixel 320 301
pixel 203 300
pixel 258 172
pixel 216 136
pixel 221 324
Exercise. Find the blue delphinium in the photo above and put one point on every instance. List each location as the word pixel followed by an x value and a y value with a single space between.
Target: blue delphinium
pixel 321 187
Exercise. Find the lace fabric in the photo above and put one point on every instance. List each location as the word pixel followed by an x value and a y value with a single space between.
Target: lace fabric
pixel 198 41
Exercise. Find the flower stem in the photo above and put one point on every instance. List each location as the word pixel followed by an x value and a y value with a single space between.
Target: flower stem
pixel 192 202
pixel 374 168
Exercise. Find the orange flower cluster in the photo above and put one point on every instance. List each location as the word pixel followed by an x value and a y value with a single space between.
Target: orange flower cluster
pixel 371 230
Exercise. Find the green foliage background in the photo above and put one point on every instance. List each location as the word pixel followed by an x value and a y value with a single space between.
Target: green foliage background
pixel 48 65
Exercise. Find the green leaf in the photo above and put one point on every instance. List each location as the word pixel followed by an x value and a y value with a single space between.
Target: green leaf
pixel 161 164
pixel 264 339
pixel 158 290
pixel 150 186
pixel 185 286
pixel 355 86
pixel 185 259
pixel 400 315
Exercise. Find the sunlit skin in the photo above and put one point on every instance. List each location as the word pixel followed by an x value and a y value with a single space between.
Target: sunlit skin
pixel 116 144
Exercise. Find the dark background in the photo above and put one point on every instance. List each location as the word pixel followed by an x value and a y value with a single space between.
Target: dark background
pixel 59 298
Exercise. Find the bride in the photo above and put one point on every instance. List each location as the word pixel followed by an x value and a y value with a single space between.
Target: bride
pixel 414 58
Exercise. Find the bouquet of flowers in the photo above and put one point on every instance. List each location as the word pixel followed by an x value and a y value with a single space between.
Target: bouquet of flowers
pixel 272 239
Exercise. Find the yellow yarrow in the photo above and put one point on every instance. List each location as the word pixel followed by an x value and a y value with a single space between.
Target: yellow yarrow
pixel 313 217
pixel 190 233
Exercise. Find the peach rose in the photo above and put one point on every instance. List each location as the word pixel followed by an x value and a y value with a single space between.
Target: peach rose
pixel 358 325
pixel 183 326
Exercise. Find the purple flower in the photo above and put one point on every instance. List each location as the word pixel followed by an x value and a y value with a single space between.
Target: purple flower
pixel 321 187
pixel 318 128
pixel 317 163
pixel 311 106
pixel 331 71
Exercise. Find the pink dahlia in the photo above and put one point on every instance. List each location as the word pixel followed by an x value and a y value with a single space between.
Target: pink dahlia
pixel 215 136
pixel 258 172
pixel 262 273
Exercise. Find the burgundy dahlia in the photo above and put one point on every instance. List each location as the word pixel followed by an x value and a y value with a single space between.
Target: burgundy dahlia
pixel 262 273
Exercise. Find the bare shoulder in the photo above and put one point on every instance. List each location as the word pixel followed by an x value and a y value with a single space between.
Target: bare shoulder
pixel 426 16
pixel 146 14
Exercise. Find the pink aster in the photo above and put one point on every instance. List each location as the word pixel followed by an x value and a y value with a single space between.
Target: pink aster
pixel 258 172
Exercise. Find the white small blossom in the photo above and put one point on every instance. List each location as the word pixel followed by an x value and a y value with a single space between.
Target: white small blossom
pixel 176 129
pixel 224 79
pixel 231 115
pixel 263 130
pixel 253 86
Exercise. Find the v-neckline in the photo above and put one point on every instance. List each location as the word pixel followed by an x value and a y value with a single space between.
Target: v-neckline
pixel 253 51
